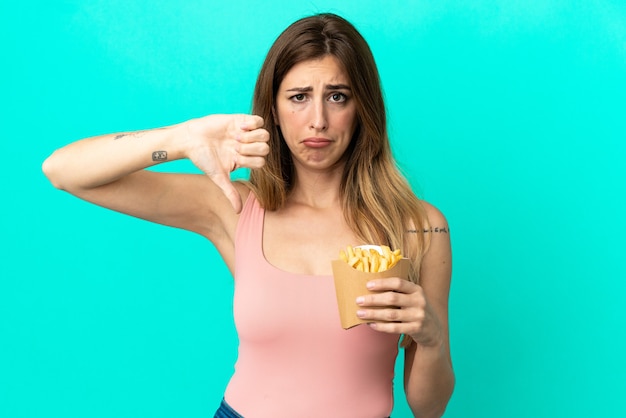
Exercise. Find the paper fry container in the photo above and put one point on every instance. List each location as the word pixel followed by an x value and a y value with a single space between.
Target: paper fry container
pixel 350 283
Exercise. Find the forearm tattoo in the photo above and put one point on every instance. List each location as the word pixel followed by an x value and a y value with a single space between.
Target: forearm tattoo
pixel 138 134
pixel 437 229
pixel 159 156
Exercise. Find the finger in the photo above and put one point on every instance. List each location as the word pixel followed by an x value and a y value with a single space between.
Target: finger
pixel 251 122
pixel 384 315
pixel 384 299
pixel 255 149
pixel 243 161
pixel 223 182
pixel 252 136
pixel 392 283
pixel 392 327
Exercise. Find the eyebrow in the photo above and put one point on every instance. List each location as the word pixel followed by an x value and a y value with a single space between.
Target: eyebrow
pixel 326 87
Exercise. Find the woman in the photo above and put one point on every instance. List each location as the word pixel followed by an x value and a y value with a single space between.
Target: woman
pixel 322 178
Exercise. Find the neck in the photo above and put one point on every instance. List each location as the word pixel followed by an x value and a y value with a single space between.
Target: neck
pixel 318 189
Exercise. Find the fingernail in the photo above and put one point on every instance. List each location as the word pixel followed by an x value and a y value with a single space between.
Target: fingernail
pixel 360 313
pixel 370 285
pixel 360 300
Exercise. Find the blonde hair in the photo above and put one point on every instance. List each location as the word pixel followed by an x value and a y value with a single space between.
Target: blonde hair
pixel 378 203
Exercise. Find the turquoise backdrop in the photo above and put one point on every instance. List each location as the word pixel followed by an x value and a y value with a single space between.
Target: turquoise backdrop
pixel 509 116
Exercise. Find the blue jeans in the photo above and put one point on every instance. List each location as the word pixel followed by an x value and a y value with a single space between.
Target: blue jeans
pixel 225 411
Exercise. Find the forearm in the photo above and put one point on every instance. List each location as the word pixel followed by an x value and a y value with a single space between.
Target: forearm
pixel 429 379
pixel 96 161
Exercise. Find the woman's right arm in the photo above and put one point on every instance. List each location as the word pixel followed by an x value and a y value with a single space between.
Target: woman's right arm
pixel 110 170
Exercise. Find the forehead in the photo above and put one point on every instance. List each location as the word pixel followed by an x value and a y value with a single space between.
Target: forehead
pixel 326 70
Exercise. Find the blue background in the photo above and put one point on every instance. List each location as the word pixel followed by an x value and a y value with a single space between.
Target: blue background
pixel 507 115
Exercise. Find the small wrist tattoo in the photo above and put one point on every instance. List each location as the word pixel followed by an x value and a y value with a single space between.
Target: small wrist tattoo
pixel 159 156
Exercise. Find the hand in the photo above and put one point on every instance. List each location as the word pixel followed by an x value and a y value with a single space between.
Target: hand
pixel 401 308
pixel 220 144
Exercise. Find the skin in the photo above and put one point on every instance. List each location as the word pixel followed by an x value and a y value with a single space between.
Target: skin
pixel 314 104
pixel 316 114
pixel 309 110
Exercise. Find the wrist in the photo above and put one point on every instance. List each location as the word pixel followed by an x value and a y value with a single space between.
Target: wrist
pixel 433 342
pixel 178 141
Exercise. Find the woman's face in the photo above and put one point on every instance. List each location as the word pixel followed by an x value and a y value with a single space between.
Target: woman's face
pixel 316 112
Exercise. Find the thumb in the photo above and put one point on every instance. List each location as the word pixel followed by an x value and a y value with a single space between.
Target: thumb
pixel 226 185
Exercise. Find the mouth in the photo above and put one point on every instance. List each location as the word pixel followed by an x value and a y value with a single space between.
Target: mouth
pixel 315 142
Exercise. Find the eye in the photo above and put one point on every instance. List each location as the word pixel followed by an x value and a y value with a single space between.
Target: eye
pixel 338 98
pixel 298 97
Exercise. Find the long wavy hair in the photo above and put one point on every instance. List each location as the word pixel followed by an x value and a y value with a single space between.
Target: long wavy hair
pixel 378 203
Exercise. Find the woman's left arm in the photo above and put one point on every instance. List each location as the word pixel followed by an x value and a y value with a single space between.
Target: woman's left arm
pixel 428 374
pixel 420 312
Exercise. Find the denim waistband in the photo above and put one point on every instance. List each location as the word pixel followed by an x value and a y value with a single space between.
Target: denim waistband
pixel 226 411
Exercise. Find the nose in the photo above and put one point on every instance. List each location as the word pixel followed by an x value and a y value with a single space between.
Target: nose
pixel 319 121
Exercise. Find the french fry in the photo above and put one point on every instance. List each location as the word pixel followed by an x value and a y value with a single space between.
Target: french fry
pixel 370 260
pixel 384 264
pixel 343 256
pixel 354 261
pixel 386 252
pixel 375 263
pixel 350 251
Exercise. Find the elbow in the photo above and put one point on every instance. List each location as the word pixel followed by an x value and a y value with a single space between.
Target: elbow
pixel 431 411
pixel 51 171
pixel 433 406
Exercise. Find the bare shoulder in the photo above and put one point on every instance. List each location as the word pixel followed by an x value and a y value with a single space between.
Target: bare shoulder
pixel 436 219
pixel 437 222
pixel 437 261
